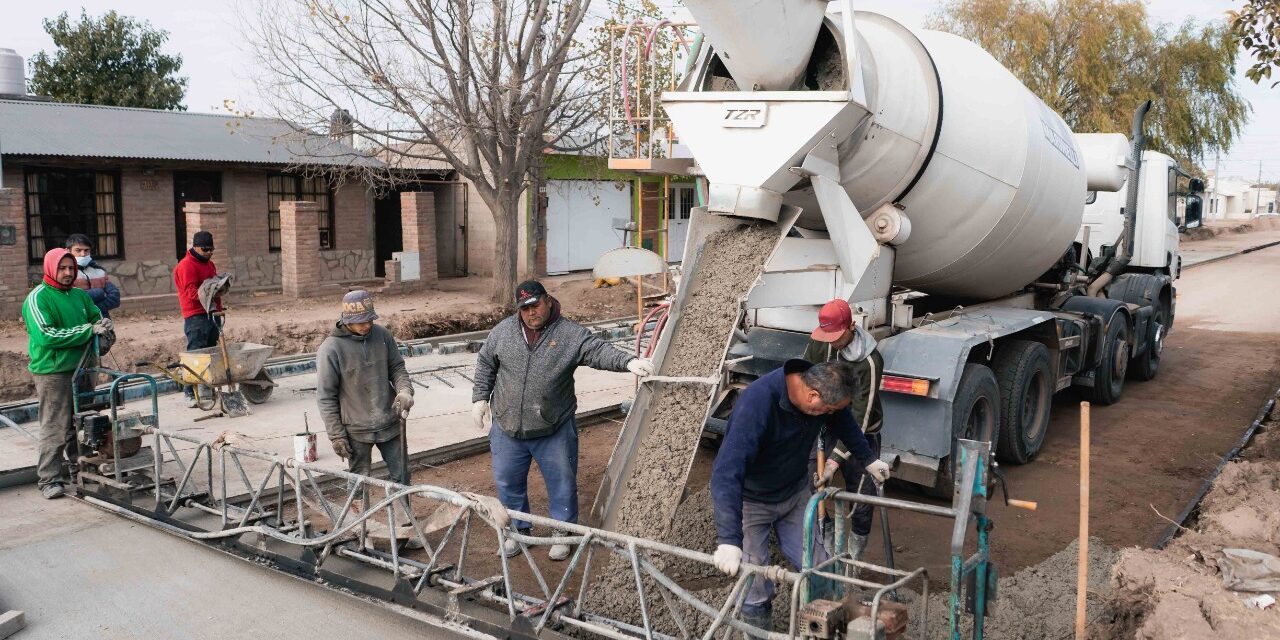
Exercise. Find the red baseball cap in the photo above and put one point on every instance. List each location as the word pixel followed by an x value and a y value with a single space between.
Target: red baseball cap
pixel 834 319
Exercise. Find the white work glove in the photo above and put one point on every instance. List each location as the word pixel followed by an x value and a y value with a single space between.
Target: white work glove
pixel 824 477
pixel 879 471
pixel 402 403
pixel 727 558
pixel 480 414
pixel 641 367
pixel 102 327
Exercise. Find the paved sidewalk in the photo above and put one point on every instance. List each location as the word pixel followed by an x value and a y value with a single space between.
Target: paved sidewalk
pixel 441 414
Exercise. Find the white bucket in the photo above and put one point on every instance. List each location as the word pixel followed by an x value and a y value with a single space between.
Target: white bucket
pixel 304 447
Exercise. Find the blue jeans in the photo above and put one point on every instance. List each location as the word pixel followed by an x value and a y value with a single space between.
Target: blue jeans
pixel 557 458
pixel 786 518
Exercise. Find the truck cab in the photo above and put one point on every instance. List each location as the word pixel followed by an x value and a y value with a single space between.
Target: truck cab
pixel 1170 203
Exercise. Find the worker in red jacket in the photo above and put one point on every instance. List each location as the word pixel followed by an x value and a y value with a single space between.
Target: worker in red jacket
pixel 193 269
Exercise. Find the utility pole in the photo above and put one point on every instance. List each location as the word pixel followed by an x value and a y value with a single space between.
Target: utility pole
pixel 1257 191
pixel 1215 211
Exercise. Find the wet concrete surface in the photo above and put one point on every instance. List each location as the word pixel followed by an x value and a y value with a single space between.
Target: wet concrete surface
pixel 78 572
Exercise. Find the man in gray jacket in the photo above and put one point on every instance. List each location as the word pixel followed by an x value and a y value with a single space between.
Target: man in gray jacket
pixel 363 389
pixel 524 387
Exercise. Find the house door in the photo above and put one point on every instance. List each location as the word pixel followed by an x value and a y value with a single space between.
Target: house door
pixel 451 228
pixel 192 186
pixel 583 221
pixel 680 202
pixel 386 231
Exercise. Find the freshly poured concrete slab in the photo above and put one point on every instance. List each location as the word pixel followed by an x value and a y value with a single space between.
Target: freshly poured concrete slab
pixel 78 572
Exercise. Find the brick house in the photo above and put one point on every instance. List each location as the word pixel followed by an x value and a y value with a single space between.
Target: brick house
pixel 133 179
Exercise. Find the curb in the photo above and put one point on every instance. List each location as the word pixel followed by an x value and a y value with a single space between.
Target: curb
pixel 1232 255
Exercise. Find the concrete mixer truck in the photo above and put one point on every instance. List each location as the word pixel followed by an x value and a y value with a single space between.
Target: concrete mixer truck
pixel 998 257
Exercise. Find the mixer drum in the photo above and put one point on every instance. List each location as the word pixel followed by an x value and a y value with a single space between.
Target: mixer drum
pixel 990 177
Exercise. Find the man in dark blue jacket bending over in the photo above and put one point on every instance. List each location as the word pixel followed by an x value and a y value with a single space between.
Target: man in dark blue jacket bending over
pixel 760 479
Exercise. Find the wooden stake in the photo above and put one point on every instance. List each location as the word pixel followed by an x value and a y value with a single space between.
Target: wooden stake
pixel 1082 571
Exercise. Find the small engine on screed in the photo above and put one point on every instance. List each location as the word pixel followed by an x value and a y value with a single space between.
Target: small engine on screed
pixel 850 619
pixel 100 445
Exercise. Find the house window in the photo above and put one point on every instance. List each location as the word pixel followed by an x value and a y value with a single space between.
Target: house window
pixel 61 202
pixel 680 199
pixel 283 187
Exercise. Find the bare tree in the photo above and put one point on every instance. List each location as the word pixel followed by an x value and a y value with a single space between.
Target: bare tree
pixel 485 86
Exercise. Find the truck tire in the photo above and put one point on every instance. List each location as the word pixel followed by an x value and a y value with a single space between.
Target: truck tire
pixel 1026 397
pixel 975 415
pixel 1108 378
pixel 1147 365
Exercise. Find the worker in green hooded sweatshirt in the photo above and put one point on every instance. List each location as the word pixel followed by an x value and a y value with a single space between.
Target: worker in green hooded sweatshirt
pixel 61 319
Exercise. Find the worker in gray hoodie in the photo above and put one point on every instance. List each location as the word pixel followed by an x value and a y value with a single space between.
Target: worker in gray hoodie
pixel 363 389
pixel 524 386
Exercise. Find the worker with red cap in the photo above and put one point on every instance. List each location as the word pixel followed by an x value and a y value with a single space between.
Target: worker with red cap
pixel 839 338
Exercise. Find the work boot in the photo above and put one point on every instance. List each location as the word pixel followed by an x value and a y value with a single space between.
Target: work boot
pixel 559 552
pixel 52 491
pixel 758 616
pixel 857 545
pixel 511 548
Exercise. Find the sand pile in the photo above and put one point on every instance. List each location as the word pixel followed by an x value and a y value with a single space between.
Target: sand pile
pixel 1178 592
pixel 729 265
pixel 1035 603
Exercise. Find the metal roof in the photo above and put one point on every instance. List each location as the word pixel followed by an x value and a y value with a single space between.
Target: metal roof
pixel 32 128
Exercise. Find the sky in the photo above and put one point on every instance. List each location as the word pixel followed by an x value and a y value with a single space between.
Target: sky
pixel 220 67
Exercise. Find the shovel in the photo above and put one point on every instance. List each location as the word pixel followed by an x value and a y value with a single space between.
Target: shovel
pixel 234 403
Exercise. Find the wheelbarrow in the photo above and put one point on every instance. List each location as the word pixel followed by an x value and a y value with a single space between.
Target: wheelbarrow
pixel 241 373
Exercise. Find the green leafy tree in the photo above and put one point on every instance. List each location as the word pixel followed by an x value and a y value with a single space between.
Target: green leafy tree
pixel 1257 25
pixel 113 60
pixel 1095 61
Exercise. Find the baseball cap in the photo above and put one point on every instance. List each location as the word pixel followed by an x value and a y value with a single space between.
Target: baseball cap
pixel 202 240
pixel 529 292
pixel 357 307
pixel 834 319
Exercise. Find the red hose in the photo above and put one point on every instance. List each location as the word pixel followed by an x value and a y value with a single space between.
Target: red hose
pixel 657 329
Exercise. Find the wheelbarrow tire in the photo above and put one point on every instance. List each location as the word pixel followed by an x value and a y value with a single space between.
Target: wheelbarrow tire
pixel 206 398
pixel 257 394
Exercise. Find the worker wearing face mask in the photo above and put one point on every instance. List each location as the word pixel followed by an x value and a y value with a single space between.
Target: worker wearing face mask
pixel 839 338
pixel 91 276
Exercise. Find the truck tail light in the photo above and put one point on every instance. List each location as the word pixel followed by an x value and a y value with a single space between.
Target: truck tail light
pixel 903 384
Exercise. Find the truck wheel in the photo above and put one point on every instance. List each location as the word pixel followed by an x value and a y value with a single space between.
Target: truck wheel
pixel 1108 378
pixel 975 415
pixel 1026 396
pixel 1147 365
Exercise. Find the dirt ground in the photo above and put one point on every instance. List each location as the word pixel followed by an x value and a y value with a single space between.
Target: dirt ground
pixel 1231 227
pixel 299 326
pixel 1178 593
